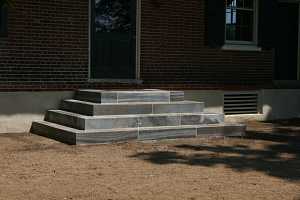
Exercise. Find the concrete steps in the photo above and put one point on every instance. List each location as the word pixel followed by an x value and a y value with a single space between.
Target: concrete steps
pixel 98 116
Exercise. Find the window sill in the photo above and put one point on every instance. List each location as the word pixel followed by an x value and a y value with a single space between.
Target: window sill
pixel 241 47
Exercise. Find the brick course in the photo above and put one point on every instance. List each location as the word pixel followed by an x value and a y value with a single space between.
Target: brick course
pixel 47 49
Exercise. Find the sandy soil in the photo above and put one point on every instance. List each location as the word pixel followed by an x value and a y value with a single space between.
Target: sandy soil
pixel 263 165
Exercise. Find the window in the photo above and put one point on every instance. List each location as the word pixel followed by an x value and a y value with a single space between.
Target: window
pixel 3 21
pixel 240 21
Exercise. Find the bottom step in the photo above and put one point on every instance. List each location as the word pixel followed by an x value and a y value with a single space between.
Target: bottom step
pixel 74 136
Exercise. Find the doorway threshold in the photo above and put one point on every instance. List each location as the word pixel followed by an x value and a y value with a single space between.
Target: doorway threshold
pixel 129 81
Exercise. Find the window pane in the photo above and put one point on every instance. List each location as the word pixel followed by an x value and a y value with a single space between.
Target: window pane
pixel 244 25
pixel 240 3
pixel 239 20
pixel 3 21
pixel 248 4
pixel 112 15
pixel 231 3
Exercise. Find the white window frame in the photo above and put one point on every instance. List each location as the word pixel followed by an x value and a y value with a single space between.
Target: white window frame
pixel 244 45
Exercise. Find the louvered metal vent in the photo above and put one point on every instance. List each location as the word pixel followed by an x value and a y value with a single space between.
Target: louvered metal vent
pixel 240 103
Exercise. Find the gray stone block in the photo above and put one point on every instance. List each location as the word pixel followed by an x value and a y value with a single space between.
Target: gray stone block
pixel 144 96
pixel 179 107
pixel 82 122
pixel 111 122
pixel 176 96
pixel 151 121
pixel 166 133
pixel 53 131
pixel 76 106
pixel 123 109
pixel 107 136
pixel 203 118
pixel 97 96
pixel 68 119
pixel 221 130
pixel 73 136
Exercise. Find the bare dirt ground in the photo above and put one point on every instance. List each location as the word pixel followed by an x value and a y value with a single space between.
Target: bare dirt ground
pixel 263 165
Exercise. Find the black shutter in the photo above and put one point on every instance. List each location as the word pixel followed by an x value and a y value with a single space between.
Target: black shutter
pixel 215 22
pixel 3 20
pixel 267 22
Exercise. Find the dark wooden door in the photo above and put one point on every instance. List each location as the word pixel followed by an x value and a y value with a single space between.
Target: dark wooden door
pixel 113 39
pixel 286 60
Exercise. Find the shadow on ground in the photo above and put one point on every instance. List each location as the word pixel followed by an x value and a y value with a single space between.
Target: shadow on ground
pixel 271 148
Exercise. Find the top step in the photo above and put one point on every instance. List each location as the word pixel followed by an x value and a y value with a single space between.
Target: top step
pixel 128 96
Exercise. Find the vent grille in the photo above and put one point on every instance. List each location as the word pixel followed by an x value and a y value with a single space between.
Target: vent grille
pixel 240 103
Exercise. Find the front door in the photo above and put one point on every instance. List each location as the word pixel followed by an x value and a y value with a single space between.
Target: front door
pixel 286 61
pixel 113 39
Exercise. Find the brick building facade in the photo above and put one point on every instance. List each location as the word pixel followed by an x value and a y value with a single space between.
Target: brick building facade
pixel 47 48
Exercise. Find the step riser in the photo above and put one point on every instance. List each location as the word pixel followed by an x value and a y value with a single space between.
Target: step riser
pixel 118 109
pixel 178 108
pixel 80 108
pixel 53 133
pixel 126 97
pixel 132 122
pixel 121 136
pixel 226 131
pixel 202 119
pixel 107 137
pixel 167 134
pixel 66 120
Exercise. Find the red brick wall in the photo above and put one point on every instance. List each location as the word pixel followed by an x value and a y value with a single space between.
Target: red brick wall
pixel 174 49
pixel 47 48
pixel 47 44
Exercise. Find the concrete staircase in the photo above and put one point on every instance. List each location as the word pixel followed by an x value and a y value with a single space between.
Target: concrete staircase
pixel 99 116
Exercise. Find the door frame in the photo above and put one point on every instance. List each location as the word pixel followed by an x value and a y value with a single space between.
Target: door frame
pixel 298 75
pixel 298 59
pixel 137 53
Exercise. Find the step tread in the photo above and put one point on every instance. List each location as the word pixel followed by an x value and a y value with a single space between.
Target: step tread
pixel 119 96
pixel 77 131
pixel 134 103
pixel 125 91
pixel 129 116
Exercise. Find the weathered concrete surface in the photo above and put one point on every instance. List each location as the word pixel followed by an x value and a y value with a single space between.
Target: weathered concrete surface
pixel 281 104
pixel 213 99
pixel 274 104
pixel 19 109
